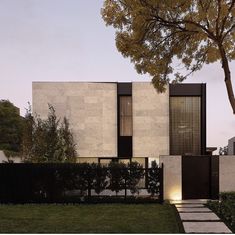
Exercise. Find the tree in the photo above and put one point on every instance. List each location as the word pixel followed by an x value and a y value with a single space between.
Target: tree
pixel 100 181
pixel 223 150
pixel 47 140
pixel 10 127
pixel 27 135
pixel 68 146
pixel 116 174
pixel 154 179
pixel 157 35
pixel 135 174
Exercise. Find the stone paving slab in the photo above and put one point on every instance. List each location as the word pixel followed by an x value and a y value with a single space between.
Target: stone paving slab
pixel 204 209
pixel 197 201
pixel 205 227
pixel 199 216
pixel 189 205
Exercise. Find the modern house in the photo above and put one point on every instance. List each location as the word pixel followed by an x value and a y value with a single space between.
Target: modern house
pixel 128 120
pixel 123 121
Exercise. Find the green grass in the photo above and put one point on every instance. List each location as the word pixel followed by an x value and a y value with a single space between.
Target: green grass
pixel 96 218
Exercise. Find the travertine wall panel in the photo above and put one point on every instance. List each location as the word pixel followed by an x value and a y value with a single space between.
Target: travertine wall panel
pixel 172 185
pixel 227 173
pixel 91 109
pixel 150 121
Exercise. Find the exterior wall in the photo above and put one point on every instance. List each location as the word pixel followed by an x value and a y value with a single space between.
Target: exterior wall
pixel 172 177
pixel 4 158
pixel 87 160
pixel 226 173
pixel 150 121
pixel 91 109
pixel 231 146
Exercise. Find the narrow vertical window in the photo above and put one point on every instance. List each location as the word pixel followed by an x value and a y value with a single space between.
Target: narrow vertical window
pixel 125 116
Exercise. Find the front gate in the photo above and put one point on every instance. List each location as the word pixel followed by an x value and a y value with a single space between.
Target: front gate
pixel 200 177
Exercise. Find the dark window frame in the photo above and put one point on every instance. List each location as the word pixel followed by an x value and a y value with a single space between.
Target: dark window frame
pixel 193 89
pixel 124 143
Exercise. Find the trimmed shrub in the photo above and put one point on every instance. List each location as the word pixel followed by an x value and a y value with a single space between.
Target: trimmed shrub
pixel 154 179
pixel 135 174
pixel 225 208
pixel 68 182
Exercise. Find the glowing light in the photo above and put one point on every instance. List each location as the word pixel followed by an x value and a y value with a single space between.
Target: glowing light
pixel 176 194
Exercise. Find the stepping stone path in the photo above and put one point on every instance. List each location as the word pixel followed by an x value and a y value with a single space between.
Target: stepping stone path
pixel 197 218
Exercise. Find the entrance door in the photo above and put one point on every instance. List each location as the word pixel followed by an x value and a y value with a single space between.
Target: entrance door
pixel 200 178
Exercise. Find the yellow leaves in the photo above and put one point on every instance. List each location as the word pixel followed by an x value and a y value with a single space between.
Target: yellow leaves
pixel 212 54
pixel 114 14
pixel 153 32
pixel 224 8
pixel 187 61
pixel 233 11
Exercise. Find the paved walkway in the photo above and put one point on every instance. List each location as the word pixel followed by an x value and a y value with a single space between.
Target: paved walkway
pixel 196 218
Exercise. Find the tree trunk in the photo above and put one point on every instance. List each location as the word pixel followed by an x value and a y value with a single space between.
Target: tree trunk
pixel 227 78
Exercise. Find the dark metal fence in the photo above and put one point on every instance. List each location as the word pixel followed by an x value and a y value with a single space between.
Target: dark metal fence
pixel 71 183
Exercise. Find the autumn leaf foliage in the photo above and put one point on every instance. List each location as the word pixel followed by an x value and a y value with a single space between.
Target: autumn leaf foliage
pixel 171 39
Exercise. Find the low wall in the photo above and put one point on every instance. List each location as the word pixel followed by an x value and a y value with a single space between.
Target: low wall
pixel 172 177
pixel 227 173
pixel 2 156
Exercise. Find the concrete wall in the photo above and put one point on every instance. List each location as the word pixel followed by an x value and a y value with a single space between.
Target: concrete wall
pixel 90 108
pixel 150 121
pixel 3 158
pixel 231 146
pixel 172 177
pixel 226 173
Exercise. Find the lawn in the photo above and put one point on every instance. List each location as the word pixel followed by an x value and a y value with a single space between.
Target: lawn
pixel 97 218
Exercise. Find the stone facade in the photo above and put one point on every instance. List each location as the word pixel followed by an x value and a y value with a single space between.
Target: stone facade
pixel 172 178
pixel 90 108
pixel 92 112
pixel 226 173
pixel 150 121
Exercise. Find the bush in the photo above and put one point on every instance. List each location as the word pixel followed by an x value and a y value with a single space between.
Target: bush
pixel 154 179
pixel 117 174
pixel 134 175
pixel 100 181
pixel 225 208
pixel 63 182
pixel 49 140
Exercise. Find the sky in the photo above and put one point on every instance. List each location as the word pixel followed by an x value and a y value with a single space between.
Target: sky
pixel 67 40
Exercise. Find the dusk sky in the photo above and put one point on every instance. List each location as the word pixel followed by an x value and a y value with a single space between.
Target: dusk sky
pixel 67 40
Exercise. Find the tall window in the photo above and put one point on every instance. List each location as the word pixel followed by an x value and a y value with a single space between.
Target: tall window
pixel 125 116
pixel 185 125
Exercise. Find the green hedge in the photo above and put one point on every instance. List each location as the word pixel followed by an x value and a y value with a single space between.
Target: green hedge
pixel 56 182
pixel 225 208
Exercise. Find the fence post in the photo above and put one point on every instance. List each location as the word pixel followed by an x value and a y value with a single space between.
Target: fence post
pixel 89 185
pixel 161 189
pixel 146 172
pixel 125 189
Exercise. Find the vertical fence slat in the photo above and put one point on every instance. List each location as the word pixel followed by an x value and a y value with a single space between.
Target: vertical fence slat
pixel 161 196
